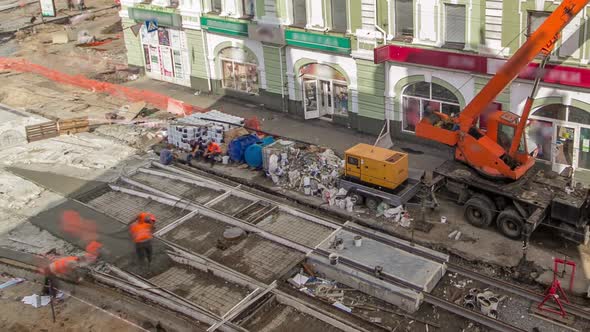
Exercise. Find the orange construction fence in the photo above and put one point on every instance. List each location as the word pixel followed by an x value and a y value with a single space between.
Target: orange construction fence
pixel 159 100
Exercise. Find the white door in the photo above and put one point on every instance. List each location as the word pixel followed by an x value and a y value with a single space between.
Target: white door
pixel 310 99
pixel 564 147
pixel 326 103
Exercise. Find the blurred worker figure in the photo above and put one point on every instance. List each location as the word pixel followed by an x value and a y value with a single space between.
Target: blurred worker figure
pixel 196 151
pixel 141 231
pixel 62 267
pixel 94 249
pixel 213 150
pixel 167 155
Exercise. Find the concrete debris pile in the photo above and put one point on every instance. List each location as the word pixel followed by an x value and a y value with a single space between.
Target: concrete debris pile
pixel 485 301
pixel 311 169
pixel 201 128
pixel 135 136
pixel 326 290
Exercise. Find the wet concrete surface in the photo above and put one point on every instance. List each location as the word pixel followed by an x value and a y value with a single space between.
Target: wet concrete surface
pixel 119 249
pixel 200 234
pixel 65 185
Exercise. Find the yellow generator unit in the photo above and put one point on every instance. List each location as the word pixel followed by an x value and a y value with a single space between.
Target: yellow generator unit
pixel 376 166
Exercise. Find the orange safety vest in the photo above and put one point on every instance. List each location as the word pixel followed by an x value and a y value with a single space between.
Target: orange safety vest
pixel 62 265
pixel 214 148
pixel 141 231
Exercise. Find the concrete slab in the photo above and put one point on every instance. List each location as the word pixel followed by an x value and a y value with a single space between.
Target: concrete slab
pixel 411 268
pixel 406 299
pixel 199 234
pixel 254 256
pixel 295 228
pixel 178 188
pixel 212 293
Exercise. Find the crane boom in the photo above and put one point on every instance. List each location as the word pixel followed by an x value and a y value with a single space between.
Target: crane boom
pixel 543 38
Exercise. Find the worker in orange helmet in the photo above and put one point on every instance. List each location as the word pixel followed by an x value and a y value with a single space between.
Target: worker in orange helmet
pixel 213 150
pixel 64 267
pixel 141 231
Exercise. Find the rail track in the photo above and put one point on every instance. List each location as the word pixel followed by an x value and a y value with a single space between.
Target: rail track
pixel 175 172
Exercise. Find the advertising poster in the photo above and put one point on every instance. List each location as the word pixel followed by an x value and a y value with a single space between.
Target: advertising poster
pixel 47 8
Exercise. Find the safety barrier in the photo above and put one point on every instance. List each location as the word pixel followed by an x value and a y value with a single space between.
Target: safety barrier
pixel 158 100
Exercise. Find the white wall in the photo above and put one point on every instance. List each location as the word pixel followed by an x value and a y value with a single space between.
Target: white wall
pixel 256 47
pixel 294 54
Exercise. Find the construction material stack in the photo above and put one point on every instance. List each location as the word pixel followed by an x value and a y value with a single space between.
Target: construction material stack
pixel 202 128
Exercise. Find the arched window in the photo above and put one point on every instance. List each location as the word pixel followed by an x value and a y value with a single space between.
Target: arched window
pixel 421 98
pixel 239 69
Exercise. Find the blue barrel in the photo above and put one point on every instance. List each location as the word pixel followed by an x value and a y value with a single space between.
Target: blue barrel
pixel 253 154
pixel 238 146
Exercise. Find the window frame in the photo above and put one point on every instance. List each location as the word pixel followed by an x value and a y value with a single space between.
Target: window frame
pixel 455 45
pixel 396 28
pixel 346 22
pixel 294 22
pixel 234 79
pixel 421 100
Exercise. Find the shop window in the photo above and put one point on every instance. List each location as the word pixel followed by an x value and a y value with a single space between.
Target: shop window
pixel 215 6
pixel 339 15
pixel 249 9
pixel 540 137
pixel 534 20
pixel 325 91
pixel 455 26
pixel 584 152
pixel 299 13
pixel 578 115
pixel 404 18
pixel 552 111
pixel 239 70
pixel 422 98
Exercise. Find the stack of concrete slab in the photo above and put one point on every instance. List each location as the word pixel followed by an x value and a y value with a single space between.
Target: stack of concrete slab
pixel 201 128
pixel 415 273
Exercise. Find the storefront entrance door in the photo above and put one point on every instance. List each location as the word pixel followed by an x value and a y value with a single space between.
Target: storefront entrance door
pixel 310 99
pixel 326 105
pixel 563 155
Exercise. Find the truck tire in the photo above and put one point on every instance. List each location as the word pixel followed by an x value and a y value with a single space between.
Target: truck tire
pixel 372 203
pixel 479 211
pixel 357 198
pixel 510 223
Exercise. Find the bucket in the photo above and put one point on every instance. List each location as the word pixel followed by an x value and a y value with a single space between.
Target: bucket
pixel 225 160
pixel 484 305
pixel 307 190
pixel 358 241
pixel 493 302
pixel 333 259
pixel 443 220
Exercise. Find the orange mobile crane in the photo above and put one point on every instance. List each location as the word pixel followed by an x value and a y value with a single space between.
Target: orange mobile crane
pixel 493 174
pixel 500 151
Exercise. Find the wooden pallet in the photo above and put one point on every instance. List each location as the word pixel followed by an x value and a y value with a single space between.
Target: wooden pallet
pixel 41 131
pixel 73 126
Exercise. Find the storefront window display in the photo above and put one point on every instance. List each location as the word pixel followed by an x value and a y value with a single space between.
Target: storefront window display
pixel 421 98
pixel 325 91
pixel 239 70
pixel 165 54
pixel 561 135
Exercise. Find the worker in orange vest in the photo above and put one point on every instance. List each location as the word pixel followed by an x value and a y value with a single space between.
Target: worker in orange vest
pixel 60 267
pixel 93 250
pixel 213 150
pixel 141 231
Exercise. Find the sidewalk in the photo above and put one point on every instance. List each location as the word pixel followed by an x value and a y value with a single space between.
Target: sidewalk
pixel 315 131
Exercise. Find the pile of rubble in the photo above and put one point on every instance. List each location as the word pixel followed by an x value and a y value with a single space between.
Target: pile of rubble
pixel 309 169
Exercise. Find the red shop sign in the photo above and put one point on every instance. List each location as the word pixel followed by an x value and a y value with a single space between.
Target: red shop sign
pixel 570 76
